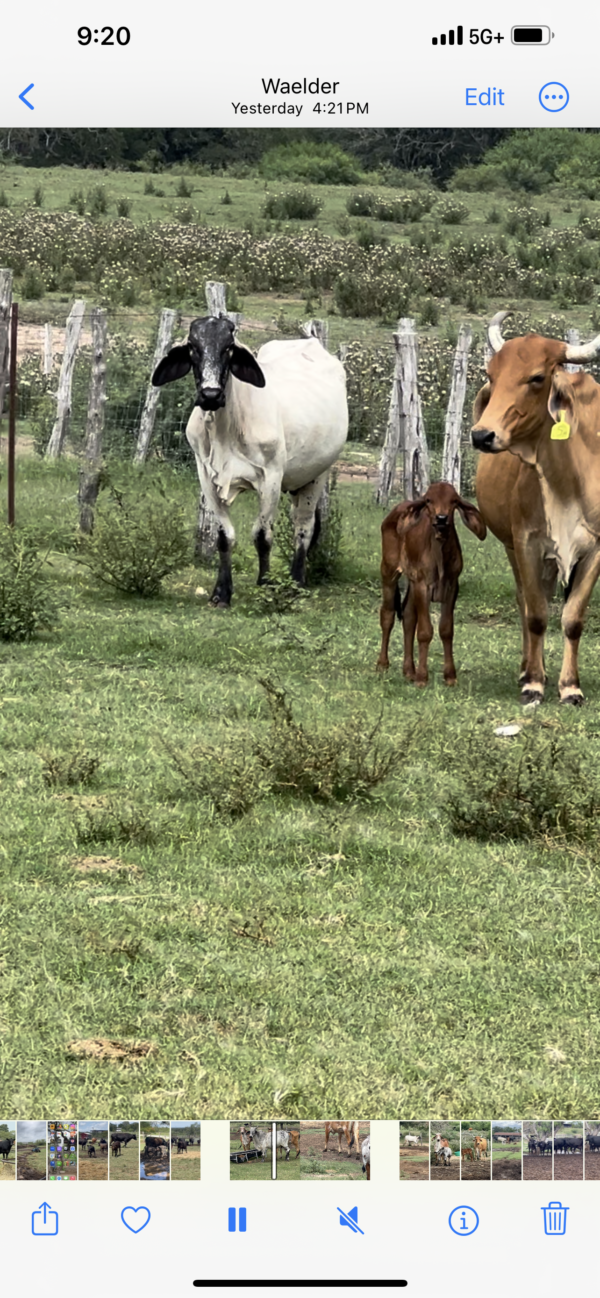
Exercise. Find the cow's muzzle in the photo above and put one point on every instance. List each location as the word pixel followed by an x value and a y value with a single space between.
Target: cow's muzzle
pixel 483 439
pixel 211 398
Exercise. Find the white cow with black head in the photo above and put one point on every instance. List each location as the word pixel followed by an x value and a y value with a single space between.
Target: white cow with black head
pixel 272 424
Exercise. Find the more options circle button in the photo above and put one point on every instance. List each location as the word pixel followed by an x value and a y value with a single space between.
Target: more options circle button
pixel 554 96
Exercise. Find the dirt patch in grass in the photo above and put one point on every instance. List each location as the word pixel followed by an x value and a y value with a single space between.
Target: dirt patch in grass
pixel 103 1048
pixel 102 864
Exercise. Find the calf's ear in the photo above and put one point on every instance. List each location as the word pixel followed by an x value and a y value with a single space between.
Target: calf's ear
pixel 175 365
pixel 245 367
pixel 480 402
pixel 472 518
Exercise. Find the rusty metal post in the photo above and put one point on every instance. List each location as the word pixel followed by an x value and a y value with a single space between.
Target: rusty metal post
pixel 12 411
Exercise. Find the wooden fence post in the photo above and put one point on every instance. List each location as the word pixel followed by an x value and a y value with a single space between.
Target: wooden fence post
pixel 573 339
pixel 63 401
pixel 47 353
pixel 216 301
pixel 391 442
pixel 89 477
pixel 6 281
pixel 452 456
pixel 406 426
pixel 165 331
pixel 317 329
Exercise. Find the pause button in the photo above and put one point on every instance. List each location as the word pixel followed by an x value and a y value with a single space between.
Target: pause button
pixel 242 1219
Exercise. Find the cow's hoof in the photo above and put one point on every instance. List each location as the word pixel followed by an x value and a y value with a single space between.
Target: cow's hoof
pixel 382 667
pixel 532 695
pixel 572 695
pixel 450 680
pixel 219 603
pixel 420 684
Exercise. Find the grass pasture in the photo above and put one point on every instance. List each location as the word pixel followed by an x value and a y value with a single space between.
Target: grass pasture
pixel 406 950
pixel 214 941
pixel 186 1166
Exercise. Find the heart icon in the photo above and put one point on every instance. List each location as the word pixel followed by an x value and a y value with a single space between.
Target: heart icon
pixel 130 1219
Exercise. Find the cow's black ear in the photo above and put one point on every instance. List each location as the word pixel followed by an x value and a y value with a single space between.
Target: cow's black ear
pixel 245 367
pixel 175 365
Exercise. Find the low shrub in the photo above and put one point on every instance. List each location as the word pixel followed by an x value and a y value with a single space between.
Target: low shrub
pixel 33 285
pixel 137 543
pixel 77 201
pixel 114 821
pixel 534 786
pixel 183 188
pixel 123 206
pixel 26 605
pixel 294 205
pixel 185 215
pixel 98 201
pixel 279 595
pixel 430 312
pixel 229 778
pixel 4 198
pixel 68 769
pixel 38 196
pixel 347 761
pixel 316 162
pixel 451 212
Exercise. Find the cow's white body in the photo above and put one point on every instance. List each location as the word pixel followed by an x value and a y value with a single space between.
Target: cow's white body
pixel 284 436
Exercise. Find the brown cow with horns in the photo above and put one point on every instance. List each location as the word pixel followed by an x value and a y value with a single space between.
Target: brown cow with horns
pixel 543 500
pixel 419 540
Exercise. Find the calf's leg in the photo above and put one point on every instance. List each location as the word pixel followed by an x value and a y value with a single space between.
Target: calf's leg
pixel 447 633
pixel 424 630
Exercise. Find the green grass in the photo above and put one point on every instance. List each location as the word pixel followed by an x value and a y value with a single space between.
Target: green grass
pixel 308 958
pixel 126 1165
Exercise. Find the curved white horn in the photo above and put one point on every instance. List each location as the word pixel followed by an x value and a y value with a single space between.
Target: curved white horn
pixel 580 352
pixel 494 332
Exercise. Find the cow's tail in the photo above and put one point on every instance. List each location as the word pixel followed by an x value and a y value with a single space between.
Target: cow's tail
pixel 314 540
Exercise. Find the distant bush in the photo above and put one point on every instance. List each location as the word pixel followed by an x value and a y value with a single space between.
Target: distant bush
pixel 26 606
pixel 367 236
pixel 524 220
pixel 77 201
pixel 294 205
pixel 38 196
pixel 98 201
pixel 137 543
pixel 114 820
pixel 203 768
pixel 401 209
pixel 430 312
pixel 183 188
pixel 450 212
pixel 185 214
pixel 32 284
pixel 315 162
pixel 123 206
pixel 4 198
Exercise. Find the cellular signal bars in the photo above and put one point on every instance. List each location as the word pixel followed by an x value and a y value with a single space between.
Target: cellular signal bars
pixel 449 39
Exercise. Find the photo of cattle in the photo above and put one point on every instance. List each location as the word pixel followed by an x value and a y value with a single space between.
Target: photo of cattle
pixel 537 1151
pixel 92 1139
pixel 591 1155
pixel 268 557
pixel 31 1151
pixel 569 1151
pixel 155 1151
pixel 8 1162
pixel 507 1151
pixel 475 1150
pixel 124 1151
pixel 185 1151
pixel 250 1146
pixel 62 1151
pixel 414 1151
pixel 339 1150
pixel 444 1151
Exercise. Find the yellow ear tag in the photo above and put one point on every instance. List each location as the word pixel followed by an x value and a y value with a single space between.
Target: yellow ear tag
pixel 562 430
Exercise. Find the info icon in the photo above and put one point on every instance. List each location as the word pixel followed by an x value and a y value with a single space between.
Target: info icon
pixel 463 1220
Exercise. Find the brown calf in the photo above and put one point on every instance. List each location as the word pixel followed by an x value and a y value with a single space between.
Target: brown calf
pixel 468 1153
pixel 419 540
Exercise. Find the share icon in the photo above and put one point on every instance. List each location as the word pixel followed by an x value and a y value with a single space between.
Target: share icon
pixel 350 1219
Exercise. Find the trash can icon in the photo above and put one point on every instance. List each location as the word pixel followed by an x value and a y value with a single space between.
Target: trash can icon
pixel 555 1219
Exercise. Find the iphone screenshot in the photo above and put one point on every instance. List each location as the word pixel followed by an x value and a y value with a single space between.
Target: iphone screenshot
pixel 299 649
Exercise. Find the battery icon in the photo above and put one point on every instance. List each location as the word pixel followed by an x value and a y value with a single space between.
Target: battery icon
pixel 531 35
